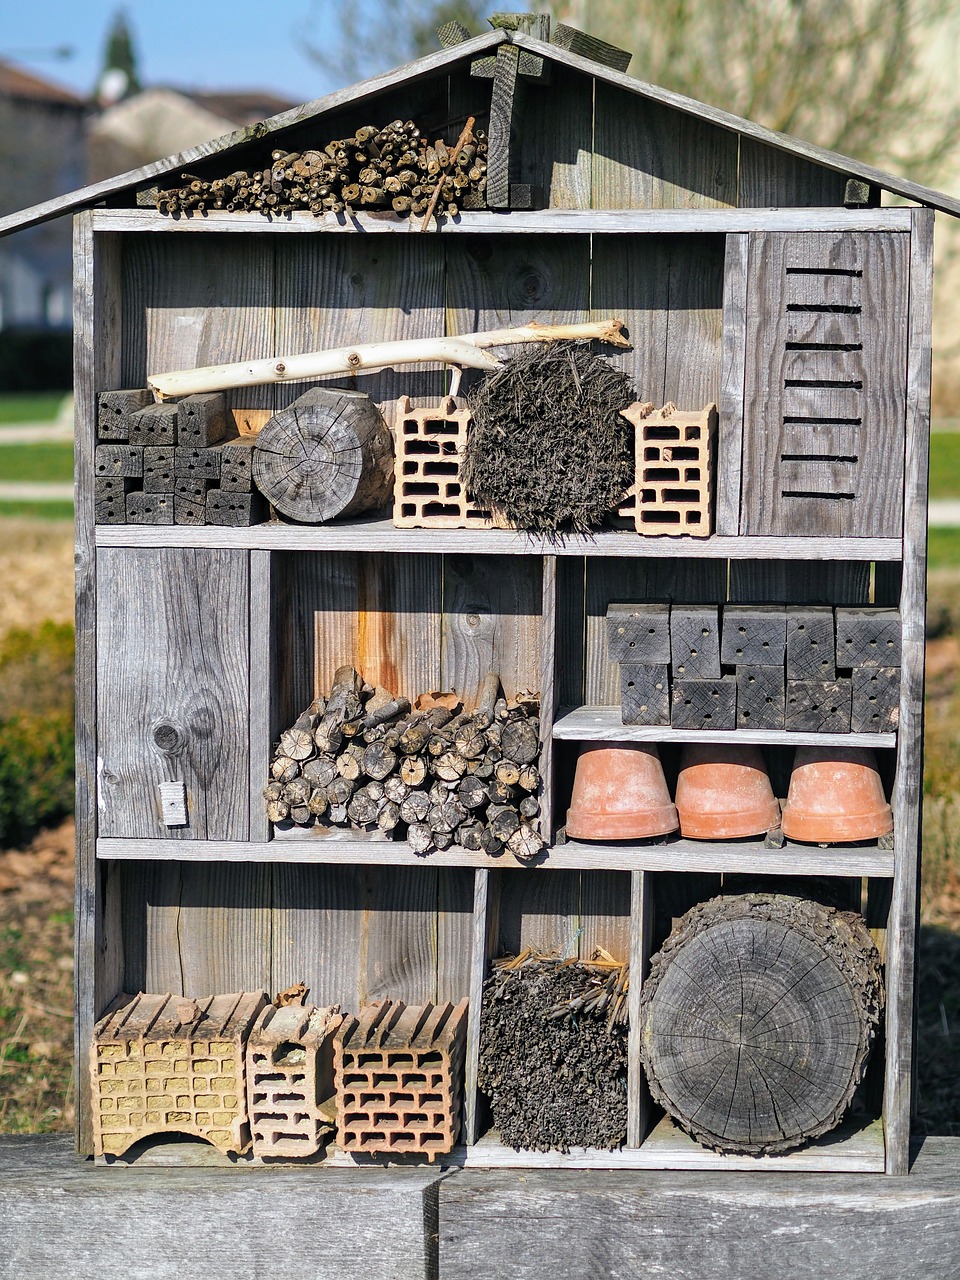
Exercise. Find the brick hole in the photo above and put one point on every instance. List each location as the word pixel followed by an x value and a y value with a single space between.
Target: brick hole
pixel 651 474
pixel 692 433
pixel 659 517
pixel 694 517
pixel 440 468
pixel 411 1079
pixel 429 447
pixel 431 1100
pixel 397 1098
pixel 370 1099
pixel 429 1059
pixel 439 509
pixel 663 433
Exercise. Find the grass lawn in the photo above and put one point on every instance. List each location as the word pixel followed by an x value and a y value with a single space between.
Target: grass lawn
pixel 37 463
pixel 945 464
pixel 37 510
pixel 30 406
pixel 943 549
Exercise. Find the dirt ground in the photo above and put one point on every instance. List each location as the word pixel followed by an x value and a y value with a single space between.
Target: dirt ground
pixel 36 569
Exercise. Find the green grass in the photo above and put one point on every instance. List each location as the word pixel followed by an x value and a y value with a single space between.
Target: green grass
pixel 943 549
pixel 945 464
pixel 37 463
pixel 37 510
pixel 30 406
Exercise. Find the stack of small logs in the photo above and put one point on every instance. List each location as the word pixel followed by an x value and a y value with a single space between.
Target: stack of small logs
pixel 376 169
pixel 434 774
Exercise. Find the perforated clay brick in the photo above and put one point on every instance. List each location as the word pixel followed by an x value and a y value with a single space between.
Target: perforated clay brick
pixel 171 1064
pixel 428 492
pixel 399 1074
pixel 673 489
pixel 289 1078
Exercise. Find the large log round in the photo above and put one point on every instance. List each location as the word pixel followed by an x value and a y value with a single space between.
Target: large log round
pixel 328 454
pixel 757 1020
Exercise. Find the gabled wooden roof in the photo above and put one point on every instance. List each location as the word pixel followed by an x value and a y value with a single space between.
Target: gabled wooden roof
pixel 440 61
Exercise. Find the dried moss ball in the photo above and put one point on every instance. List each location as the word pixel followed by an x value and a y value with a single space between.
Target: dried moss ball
pixel 553 1082
pixel 548 447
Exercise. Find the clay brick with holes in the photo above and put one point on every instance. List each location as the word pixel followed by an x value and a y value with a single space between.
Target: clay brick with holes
pixel 819 706
pixel 638 633
pixel 644 693
pixel 428 491
pixel 876 700
pixel 290 1080
pixel 754 635
pixel 399 1076
pixel 704 704
pixel 695 642
pixel 672 490
pixel 868 638
pixel 810 643
pixel 172 1064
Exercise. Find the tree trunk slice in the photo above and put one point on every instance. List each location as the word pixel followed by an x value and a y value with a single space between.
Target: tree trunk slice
pixel 757 1020
pixel 329 454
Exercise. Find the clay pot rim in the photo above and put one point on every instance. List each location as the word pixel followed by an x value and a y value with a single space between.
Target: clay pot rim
pixel 624 826
pixel 730 826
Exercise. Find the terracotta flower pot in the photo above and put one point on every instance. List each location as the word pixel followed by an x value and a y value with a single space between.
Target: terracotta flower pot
pixel 620 793
pixel 835 796
pixel 724 793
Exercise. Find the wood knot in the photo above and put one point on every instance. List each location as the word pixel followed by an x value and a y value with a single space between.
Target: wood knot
pixel 168 738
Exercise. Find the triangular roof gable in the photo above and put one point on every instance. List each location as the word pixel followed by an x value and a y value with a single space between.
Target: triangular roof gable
pixel 445 59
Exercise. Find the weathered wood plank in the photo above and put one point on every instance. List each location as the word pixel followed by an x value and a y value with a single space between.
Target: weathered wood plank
pixel 558 140
pixel 173 695
pixel 598 722
pixel 264 726
pixel 800 582
pixel 732 373
pixel 629 281
pixel 539 911
pixel 769 177
pixel 641 946
pixel 485 912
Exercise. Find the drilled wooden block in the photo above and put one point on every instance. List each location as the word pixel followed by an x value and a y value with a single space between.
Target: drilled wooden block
pixel 704 704
pixel 110 499
pixel 761 695
pixel 114 409
pixel 876 700
pixel 672 489
pixel 818 706
pixel 154 425
pixel 644 693
pixel 202 419
pixel 237 510
pixel 289 1078
pixel 428 492
pixel 638 633
pixel 158 474
pixel 695 642
pixel 399 1076
pixel 868 638
pixel 190 501
pixel 172 1064
pixel 118 460
pixel 810 643
pixel 192 462
pixel 149 508
pixel 753 635
pixel 236 465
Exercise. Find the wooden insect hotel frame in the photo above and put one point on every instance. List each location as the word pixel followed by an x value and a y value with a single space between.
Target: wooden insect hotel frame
pixel 752 272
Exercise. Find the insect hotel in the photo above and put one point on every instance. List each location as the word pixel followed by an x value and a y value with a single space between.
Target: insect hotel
pixel 501 551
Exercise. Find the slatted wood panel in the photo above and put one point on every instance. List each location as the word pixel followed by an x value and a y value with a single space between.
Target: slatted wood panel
pixel 770 178
pixel 557 135
pixel 824 395
pixel 187 303
pixel 173 697
pixel 647 156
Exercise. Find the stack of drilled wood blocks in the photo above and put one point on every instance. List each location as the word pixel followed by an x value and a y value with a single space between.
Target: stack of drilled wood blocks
pixel 399 1073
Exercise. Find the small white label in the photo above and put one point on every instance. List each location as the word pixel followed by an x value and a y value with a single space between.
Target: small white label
pixel 173 803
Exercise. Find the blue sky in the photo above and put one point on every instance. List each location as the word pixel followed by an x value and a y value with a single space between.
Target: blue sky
pixel 199 44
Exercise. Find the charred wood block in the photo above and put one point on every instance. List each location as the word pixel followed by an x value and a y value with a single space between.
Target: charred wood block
pixel 192 462
pixel 202 419
pixel 868 638
pixel 704 704
pixel 761 697
pixel 158 474
pixel 638 633
pixel 118 460
pixel 149 508
pixel 110 499
pixel 644 693
pixel 695 642
pixel 234 509
pixel 818 706
pixel 236 465
pixel 156 424
pixel 810 644
pixel 114 409
pixel 876 700
pixel 754 635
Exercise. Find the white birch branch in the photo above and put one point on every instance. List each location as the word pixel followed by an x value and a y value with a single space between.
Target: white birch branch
pixel 467 350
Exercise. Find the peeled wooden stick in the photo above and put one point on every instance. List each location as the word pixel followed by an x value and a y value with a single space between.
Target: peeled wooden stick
pixel 464 350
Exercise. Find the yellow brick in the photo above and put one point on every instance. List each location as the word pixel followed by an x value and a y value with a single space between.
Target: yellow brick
pixel 110 1051
pixel 184 1100
pixel 205 1067
pixel 153 1049
pixel 133 1086
pixel 223 1136
pixel 164 1101
pixel 178 1086
pixel 127 1069
pixel 113 1143
pixel 223 1083
pixel 220 1047
pixel 181 1066
pixel 179 1117
pixel 128 1104
pixel 203 1118
pixel 112 1122
pixel 155 1086
pixel 224 1117
pixel 151 1117
pixel 157 1068
pixel 108 1087
pixel 108 1104
pixel 105 1068
pixel 230 1100
pixel 207 1100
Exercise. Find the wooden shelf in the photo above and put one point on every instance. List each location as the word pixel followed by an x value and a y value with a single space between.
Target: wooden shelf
pixel 591 724
pixel 378 533
pixel 748 857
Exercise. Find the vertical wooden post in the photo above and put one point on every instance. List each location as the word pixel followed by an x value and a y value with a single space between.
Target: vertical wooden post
pixel 263 703
pixel 548 693
pixel 641 926
pixel 486 900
